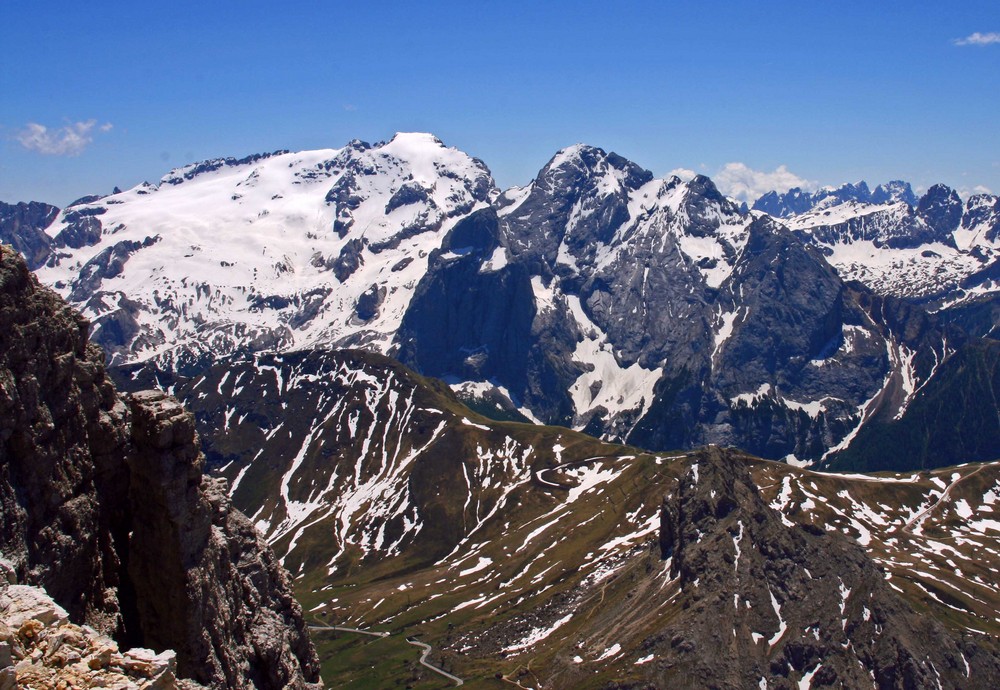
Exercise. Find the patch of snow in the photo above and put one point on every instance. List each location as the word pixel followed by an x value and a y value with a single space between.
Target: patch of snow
pixel 806 682
pixel 611 651
pixel 537 635
pixel 782 626
pixel 481 565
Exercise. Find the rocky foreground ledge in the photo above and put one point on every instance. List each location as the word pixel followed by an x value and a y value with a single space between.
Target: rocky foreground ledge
pixel 104 505
pixel 40 648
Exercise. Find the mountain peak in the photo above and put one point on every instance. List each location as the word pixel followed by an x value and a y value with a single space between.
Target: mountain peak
pixel 588 165
pixel 894 191
pixel 416 138
pixel 577 154
pixel 941 209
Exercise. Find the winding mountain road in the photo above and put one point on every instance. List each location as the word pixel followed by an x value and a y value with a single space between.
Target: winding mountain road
pixel 351 630
pixel 427 649
pixel 423 660
pixel 924 514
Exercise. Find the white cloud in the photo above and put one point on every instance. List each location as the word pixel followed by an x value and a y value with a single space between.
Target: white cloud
pixel 69 140
pixel 965 192
pixel 979 39
pixel 740 182
pixel 683 173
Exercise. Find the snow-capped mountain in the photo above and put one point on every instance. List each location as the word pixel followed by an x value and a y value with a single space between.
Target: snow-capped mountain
pixel 936 249
pixel 652 311
pixel 664 316
pixel 267 252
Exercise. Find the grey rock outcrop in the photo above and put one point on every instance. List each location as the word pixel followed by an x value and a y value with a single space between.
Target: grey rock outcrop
pixel 40 648
pixel 798 602
pixel 22 226
pixel 206 584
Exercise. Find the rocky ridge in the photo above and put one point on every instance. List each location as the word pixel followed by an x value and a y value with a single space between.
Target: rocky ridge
pixel 106 507
pixel 937 250
pixel 797 201
pixel 805 605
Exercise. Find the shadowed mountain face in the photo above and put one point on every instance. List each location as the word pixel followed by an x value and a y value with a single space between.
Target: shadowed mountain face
pixel 954 416
pixel 22 226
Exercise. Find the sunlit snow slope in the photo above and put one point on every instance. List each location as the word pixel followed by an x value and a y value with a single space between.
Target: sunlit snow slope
pixel 264 253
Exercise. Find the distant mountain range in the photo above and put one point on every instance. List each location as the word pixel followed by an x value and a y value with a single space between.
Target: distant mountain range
pixel 796 201
pixel 367 338
pixel 650 311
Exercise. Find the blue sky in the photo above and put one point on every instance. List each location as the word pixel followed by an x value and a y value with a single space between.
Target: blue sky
pixel 833 92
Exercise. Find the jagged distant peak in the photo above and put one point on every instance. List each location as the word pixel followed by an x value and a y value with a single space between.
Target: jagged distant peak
pixel 797 200
pixel 894 191
pixel 941 208
pixel 594 163
pixel 939 193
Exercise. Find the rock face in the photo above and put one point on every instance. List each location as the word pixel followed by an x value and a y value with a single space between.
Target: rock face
pixel 22 226
pixel 472 318
pixel 798 603
pixel 108 510
pixel 63 439
pixel 206 584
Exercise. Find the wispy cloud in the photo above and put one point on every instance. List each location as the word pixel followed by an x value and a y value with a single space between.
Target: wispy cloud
pixel 684 173
pixel 69 140
pixel 740 182
pixel 979 39
pixel 965 192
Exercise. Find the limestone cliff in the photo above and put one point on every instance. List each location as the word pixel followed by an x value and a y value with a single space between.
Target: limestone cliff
pixel 106 507
pixel 206 583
